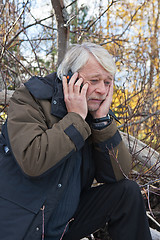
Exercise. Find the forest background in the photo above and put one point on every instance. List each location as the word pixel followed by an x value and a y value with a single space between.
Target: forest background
pixel 34 36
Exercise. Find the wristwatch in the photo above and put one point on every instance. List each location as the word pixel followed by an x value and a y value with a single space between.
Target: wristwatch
pixel 100 123
pixel 103 119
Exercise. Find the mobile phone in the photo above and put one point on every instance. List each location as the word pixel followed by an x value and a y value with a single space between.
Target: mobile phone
pixel 69 75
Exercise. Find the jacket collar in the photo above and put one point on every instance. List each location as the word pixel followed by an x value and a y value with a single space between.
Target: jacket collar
pixel 49 88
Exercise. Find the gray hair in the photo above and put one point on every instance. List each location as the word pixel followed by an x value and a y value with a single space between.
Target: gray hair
pixel 78 54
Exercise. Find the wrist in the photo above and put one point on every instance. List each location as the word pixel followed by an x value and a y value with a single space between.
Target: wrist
pixel 100 123
pixel 102 119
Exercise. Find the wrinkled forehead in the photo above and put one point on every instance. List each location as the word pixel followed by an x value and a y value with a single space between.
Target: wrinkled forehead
pixel 94 69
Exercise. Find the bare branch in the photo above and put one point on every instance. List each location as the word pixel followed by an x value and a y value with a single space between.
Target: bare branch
pixel 28 26
pixel 13 25
pixel 11 54
pixel 91 25
pixel 140 121
pixel 71 3
pixel 131 20
pixel 34 53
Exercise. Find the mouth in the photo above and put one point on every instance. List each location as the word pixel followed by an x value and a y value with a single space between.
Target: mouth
pixel 95 100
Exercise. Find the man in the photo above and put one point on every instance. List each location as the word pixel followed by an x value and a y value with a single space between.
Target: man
pixel 56 141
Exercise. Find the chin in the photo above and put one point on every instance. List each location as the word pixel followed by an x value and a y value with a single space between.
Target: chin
pixel 92 109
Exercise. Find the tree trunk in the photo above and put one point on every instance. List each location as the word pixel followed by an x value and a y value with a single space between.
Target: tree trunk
pixel 63 29
pixel 142 152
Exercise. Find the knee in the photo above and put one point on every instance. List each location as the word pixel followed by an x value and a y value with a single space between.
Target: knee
pixel 132 189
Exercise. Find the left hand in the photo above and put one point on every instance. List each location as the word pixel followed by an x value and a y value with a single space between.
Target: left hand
pixel 105 105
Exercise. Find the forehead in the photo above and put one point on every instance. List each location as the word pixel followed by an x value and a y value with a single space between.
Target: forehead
pixel 94 69
pixel 104 74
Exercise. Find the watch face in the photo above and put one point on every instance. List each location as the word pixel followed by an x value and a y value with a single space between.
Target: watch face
pixel 103 119
pixel 101 125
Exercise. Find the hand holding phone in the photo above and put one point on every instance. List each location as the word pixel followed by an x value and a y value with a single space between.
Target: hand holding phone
pixel 75 95
pixel 69 75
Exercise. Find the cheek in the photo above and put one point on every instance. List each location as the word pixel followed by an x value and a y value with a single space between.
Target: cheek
pixel 90 90
pixel 107 89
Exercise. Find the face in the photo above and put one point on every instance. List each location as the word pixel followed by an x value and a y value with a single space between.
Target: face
pixel 99 81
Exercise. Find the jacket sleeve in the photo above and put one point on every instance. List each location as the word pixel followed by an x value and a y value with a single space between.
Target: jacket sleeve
pixel 36 147
pixel 112 158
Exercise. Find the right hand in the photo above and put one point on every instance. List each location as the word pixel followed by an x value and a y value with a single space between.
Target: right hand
pixel 75 99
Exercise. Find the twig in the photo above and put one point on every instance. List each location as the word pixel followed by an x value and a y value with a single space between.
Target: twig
pixel 148 215
pixel 132 17
pixel 150 182
pixel 71 4
pixel 101 14
pixel 7 34
pixel 34 52
pixel 149 205
pixel 115 156
pixel 17 60
pixel 140 121
pixel 28 26
pixel 91 25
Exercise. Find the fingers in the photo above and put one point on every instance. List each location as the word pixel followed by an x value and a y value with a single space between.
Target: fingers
pixel 72 83
pixel 84 89
pixel 77 86
pixel 74 86
pixel 75 96
pixel 65 86
pixel 73 79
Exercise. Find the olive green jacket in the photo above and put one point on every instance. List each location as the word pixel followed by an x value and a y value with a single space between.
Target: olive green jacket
pixel 39 140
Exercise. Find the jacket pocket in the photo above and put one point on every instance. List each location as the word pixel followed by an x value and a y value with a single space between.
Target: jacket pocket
pixel 20 200
pixel 17 188
pixel 14 220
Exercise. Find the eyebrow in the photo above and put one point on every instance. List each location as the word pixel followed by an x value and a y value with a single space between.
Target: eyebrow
pixel 97 75
pixel 110 78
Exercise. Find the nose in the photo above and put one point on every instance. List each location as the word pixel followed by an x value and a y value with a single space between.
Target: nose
pixel 101 88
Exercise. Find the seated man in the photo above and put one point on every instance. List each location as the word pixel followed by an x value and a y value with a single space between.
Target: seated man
pixel 61 135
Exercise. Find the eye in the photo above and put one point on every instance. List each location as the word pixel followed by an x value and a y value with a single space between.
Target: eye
pixel 107 83
pixel 94 81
